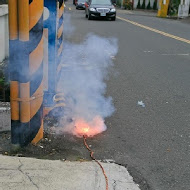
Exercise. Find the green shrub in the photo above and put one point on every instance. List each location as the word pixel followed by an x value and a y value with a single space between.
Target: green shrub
pixel 173 7
pixel 143 5
pixel 2 81
pixel 139 4
pixel 148 6
pixel 127 4
pixel 118 3
pixel 3 2
pixel 155 5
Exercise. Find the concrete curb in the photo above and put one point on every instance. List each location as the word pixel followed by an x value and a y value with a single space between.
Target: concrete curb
pixel 4 32
pixel 31 174
pixel 3 10
pixel 5 118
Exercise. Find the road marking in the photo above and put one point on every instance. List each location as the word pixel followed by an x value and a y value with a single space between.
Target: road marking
pixel 155 30
pixel 129 12
pixel 148 51
pixel 125 11
pixel 180 54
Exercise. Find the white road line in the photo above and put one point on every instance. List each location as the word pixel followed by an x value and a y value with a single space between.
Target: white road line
pixel 179 54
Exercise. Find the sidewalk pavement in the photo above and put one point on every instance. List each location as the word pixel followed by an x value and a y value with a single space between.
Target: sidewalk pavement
pixel 150 13
pixel 18 173
pixel 138 12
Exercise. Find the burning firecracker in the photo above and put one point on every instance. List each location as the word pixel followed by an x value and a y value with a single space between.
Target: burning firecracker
pixel 88 129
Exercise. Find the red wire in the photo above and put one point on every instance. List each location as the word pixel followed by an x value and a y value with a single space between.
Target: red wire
pixel 93 158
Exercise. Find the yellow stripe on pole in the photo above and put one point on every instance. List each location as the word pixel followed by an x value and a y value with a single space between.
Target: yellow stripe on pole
pixel 23 12
pixel 39 135
pixel 25 102
pixel 61 10
pixel 36 103
pixel 59 67
pixel 13 24
pixel 14 94
pixel 60 31
pixel 46 110
pixel 155 30
pixel 36 11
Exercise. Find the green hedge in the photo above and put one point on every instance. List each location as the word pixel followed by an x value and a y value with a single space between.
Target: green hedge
pixel 3 2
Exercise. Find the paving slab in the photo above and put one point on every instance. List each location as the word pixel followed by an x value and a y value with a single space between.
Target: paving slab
pixel 31 174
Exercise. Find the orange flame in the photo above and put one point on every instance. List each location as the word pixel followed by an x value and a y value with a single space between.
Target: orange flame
pixel 91 128
pixel 85 130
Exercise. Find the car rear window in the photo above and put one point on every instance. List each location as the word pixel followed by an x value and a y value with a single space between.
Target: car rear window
pixel 101 2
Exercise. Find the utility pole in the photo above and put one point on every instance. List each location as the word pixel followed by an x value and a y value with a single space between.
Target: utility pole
pixel 122 4
pixel 36 48
pixel 53 32
pixel 26 71
pixel 163 8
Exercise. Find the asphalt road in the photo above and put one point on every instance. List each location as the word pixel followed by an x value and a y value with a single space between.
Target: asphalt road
pixel 152 142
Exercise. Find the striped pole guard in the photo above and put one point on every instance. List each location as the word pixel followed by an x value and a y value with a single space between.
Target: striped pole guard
pixel 60 26
pixel 26 60
pixel 53 31
pixel 60 102
pixel 36 69
pixel 14 72
pixel 50 55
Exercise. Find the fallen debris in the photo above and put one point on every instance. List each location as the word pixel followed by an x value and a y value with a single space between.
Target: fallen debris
pixel 140 103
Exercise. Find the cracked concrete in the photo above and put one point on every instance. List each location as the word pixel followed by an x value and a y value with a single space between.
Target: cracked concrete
pixel 26 174
pixel 114 184
pixel 33 174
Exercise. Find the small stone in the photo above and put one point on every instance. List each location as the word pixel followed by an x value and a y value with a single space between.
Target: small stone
pixel 19 155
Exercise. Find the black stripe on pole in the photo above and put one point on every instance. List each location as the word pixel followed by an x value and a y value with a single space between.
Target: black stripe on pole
pixel 36 80
pixel 15 127
pixel 60 40
pixel 60 3
pixel 26 132
pixel 36 34
pixel 23 58
pixel 60 21
pixel 13 58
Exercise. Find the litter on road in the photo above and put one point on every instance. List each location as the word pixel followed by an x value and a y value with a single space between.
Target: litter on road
pixel 140 103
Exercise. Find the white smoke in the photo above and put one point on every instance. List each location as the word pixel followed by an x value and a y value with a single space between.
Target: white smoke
pixel 68 27
pixel 84 70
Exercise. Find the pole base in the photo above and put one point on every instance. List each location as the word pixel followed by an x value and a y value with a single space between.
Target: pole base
pixel 15 147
